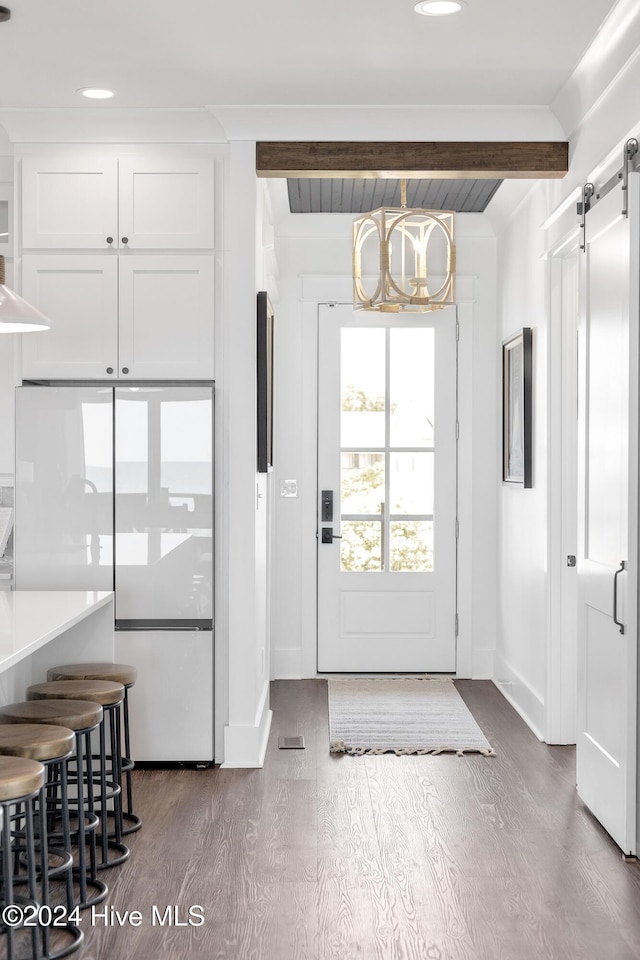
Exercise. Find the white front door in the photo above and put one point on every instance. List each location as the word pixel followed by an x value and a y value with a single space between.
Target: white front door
pixel 607 519
pixel 387 490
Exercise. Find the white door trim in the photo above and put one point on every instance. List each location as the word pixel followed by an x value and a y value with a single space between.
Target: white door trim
pixel 562 602
pixel 316 290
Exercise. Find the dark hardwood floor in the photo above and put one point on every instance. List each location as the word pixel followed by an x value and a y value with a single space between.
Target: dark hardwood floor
pixel 317 857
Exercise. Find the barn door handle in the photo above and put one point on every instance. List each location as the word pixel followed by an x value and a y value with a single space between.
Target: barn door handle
pixel 623 566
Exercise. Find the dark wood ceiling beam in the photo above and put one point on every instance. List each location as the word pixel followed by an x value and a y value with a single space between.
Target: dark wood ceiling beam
pixel 462 160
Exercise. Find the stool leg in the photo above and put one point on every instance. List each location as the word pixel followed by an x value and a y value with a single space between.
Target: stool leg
pixel 44 862
pixel 133 821
pixel 66 830
pixel 111 787
pixel 91 807
pixel 116 771
pixel 103 795
pixel 7 877
pixel 86 877
pixel 31 866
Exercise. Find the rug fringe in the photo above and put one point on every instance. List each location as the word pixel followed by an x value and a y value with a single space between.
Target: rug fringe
pixel 339 746
pixel 439 678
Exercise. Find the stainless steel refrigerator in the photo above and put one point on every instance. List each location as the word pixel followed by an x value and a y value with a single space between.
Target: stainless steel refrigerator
pixel 114 491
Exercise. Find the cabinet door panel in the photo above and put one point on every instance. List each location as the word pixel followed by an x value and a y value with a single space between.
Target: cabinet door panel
pixel 166 317
pixel 166 204
pixel 79 293
pixel 69 203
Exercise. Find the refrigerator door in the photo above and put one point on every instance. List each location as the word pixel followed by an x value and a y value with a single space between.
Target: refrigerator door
pixel 164 507
pixel 64 488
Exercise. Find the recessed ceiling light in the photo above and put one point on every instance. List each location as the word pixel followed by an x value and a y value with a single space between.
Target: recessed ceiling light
pixel 438 8
pixel 95 93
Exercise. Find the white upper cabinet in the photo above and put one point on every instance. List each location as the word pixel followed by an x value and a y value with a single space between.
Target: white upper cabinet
pixel 80 294
pixel 166 317
pixel 166 204
pixel 130 317
pixel 96 236
pixel 69 203
pixel 132 202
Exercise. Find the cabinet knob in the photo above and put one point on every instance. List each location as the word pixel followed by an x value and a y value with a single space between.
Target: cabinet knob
pixel 109 239
pixel 125 239
pixel 125 369
pixel 109 369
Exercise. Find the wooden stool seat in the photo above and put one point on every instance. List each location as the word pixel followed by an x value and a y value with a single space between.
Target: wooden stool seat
pixel 104 692
pixel 36 741
pixel 19 777
pixel 75 714
pixel 119 672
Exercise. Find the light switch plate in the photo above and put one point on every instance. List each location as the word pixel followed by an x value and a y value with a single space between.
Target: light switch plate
pixel 288 488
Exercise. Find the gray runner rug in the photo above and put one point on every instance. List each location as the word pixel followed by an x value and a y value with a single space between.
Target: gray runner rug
pixel 401 716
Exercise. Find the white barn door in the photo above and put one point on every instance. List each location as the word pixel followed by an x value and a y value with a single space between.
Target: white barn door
pixel 608 517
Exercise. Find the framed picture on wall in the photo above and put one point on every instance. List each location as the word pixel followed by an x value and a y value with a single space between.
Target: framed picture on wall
pixel 516 409
pixel 265 383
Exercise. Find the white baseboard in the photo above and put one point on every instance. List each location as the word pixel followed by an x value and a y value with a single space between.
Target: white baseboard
pixel 521 695
pixel 245 745
pixel 286 664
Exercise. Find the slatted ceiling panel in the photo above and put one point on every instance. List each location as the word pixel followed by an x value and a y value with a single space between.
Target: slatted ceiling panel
pixel 319 195
pixel 488 190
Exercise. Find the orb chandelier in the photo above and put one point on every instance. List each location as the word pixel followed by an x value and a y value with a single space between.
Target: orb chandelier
pixel 414 254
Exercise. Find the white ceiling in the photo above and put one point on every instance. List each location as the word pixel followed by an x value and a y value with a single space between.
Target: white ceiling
pixel 161 53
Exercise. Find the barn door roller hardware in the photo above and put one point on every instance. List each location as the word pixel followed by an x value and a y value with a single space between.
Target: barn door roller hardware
pixel 630 150
pixel 630 162
pixel 587 193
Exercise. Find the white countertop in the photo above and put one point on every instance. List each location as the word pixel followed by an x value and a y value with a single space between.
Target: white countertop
pixel 31 618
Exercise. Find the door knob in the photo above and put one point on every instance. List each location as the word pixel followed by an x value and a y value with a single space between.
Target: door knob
pixel 125 239
pixel 125 369
pixel 328 536
pixel 109 239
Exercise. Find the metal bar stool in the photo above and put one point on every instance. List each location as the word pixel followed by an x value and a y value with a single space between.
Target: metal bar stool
pixel 20 783
pixel 126 675
pixel 110 696
pixel 83 717
pixel 52 746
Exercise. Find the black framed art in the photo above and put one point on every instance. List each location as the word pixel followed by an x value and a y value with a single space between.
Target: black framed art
pixel 517 359
pixel 265 383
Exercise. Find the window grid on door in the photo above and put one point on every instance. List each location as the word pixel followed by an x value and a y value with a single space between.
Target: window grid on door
pixel 379 536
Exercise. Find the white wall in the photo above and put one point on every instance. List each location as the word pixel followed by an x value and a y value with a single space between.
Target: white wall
pixel 522 560
pixel 314 258
pixel 243 517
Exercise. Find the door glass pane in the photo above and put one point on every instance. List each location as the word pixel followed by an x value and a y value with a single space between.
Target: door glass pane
pixel 361 545
pixel 362 482
pixel 362 387
pixel 411 358
pixel 411 477
pixel 411 545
